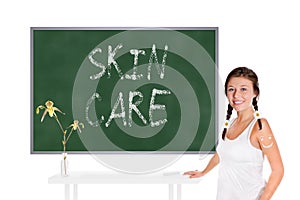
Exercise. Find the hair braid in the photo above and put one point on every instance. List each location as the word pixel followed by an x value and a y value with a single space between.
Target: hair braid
pixel 229 112
pixel 254 103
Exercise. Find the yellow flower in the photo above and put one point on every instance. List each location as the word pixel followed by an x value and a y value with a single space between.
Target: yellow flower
pixel 76 125
pixel 257 115
pixel 226 124
pixel 50 109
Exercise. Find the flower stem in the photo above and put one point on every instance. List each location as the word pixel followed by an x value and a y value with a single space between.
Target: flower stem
pixel 56 118
pixel 65 166
pixel 64 169
pixel 69 135
pixel 64 142
pixel 63 131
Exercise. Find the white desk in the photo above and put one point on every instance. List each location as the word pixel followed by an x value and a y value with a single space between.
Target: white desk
pixel 76 178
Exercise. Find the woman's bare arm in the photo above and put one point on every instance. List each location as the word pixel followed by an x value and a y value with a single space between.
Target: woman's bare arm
pixel 212 163
pixel 269 147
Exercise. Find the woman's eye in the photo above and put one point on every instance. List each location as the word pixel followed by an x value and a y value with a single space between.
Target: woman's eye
pixel 244 89
pixel 230 89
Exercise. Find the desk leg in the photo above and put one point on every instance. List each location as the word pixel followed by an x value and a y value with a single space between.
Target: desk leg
pixel 75 192
pixel 171 190
pixel 178 191
pixel 67 191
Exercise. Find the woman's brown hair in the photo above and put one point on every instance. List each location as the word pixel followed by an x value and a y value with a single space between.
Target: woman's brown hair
pixel 250 75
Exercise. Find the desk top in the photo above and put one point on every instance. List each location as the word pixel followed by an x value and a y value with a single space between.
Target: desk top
pixel 119 178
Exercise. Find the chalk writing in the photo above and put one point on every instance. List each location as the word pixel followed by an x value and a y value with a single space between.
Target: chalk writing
pixel 133 106
pixel 97 64
pixel 114 115
pixel 111 60
pixel 157 107
pixel 160 71
pixel 134 76
pixel 87 108
pixel 135 52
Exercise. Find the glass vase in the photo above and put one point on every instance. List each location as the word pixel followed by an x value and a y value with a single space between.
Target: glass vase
pixel 64 165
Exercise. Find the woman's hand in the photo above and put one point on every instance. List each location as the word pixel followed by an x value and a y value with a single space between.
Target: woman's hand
pixel 212 163
pixel 194 174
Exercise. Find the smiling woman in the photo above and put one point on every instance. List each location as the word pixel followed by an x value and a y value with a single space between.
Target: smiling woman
pixel 242 90
pixel 245 141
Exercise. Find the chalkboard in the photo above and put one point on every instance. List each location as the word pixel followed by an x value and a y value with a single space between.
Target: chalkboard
pixel 131 89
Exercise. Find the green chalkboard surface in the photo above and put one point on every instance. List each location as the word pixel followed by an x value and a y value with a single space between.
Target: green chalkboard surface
pixel 131 89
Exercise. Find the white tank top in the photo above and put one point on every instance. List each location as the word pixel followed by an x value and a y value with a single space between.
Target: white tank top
pixel 241 168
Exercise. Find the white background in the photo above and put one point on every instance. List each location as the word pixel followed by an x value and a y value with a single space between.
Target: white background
pixel 262 35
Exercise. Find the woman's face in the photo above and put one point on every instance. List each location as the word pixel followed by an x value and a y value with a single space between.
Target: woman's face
pixel 240 93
